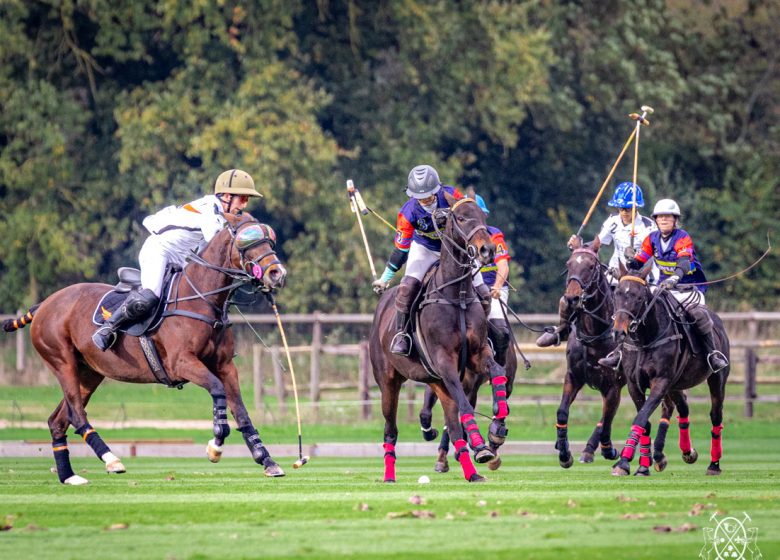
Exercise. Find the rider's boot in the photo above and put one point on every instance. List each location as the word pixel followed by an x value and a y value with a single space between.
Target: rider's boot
pixel 498 331
pixel 483 293
pixel 407 292
pixel 137 306
pixel 612 360
pixel 556 335
pixel 703 323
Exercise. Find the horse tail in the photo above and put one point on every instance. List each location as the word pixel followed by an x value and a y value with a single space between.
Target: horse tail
pixel 10 325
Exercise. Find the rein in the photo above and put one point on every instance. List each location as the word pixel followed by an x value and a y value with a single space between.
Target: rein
pixel 596 279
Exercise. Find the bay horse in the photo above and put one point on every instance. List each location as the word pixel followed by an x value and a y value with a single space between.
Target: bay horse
pixel 658 354
pixel 194 343
pixel 472 381
pixel 449 315
pixel 589 296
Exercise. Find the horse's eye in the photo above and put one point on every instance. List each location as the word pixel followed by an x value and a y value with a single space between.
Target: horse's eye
pixel 460 219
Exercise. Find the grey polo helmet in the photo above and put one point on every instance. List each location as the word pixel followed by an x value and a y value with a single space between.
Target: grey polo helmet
pixel 423 182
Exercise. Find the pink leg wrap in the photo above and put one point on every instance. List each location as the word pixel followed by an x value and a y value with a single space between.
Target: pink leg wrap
pixel 644 451
pixel 472 430
pixel 499 396
pixel 716 449
pixel 389 462
pixel 685 436
pixel 462 455
pixel 632 441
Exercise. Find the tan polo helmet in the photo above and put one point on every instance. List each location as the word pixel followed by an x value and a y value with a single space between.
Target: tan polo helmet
pixel 235 181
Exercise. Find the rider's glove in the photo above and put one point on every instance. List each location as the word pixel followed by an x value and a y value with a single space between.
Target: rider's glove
pixel 671 282
pixel 629 253
pixel 380 285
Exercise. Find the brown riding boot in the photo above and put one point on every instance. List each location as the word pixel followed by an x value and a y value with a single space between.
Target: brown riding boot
pixel 556 335
pixel 407 292
pixel 703 324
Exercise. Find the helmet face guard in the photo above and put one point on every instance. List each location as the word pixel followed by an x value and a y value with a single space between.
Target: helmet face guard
pixel 423 182
pixel 624 196
pixel 237 182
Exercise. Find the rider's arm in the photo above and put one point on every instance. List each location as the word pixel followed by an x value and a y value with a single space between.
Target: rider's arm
pixel 403 240
pixel 502 260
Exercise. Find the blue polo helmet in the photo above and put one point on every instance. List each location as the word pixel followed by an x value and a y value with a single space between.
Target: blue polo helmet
pixel 624 196
pixel 481 203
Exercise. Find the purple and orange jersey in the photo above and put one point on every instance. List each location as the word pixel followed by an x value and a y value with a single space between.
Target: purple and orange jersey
pixel 502 254
pixel 414 223
pixel 667 253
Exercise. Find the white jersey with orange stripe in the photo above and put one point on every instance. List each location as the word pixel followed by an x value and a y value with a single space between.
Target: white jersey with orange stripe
pixel 187 227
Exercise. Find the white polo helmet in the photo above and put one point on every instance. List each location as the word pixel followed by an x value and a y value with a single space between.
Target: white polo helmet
pixel 666 206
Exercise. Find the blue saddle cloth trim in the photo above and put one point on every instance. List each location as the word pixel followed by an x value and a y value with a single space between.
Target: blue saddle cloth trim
pixel 111 301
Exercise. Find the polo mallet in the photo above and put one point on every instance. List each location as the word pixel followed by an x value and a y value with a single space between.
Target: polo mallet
pixel 640 119
pixel 302 459
pixel 639 122
pixel 359 208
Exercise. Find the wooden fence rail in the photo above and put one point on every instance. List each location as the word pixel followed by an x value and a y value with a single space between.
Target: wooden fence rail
pixel 749 321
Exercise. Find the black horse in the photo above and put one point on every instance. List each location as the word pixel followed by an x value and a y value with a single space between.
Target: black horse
pixel 472 381
pixel 453 327
pixel 589 304
pixel 660 355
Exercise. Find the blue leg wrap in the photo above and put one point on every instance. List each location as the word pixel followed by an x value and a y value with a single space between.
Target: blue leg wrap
pixel 92 438
pixel 62 458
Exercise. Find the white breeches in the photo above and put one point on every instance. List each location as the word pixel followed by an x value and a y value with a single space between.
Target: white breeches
pixel 153 258
pixel 421 258
pixel 496 312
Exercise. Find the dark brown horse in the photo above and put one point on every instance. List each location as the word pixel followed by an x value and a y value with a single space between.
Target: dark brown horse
pixel 195 344
pixel 657 355
pixel 472 381
pixel 589 297
pixel 449 313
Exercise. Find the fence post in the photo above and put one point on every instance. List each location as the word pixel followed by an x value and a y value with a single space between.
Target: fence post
pixel 281 394
pixel 751 361
pixel 363 380
pixel 19 346
pixel 316 352
pixel 257 377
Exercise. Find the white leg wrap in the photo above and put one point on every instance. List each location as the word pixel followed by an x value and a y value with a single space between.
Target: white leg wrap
pixel 76 480
pixel 109 458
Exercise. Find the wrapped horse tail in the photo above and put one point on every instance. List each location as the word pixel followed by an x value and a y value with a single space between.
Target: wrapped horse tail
pixel 10 325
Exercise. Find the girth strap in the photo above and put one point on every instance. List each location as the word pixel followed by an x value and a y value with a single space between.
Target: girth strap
pixel 655 343
pixel 215 323
pixel 155 364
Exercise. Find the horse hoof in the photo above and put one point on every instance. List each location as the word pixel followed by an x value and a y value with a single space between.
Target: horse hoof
pixel 213 451
pixel 431 434
pixel 115 467
pixel 691 457
pixel 389 481
pixel 660 464
pixel 273 470
pixel 642 471
pixel 483 455
pixel 75 480
pixel 441 466
pixel 713 469
pixel 494 464
pixel 586 457
pixel 567 462
pixel 621 468
pixel 477 478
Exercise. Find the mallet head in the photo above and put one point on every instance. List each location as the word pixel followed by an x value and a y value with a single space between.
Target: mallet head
pixel 300 462
pixel 647 109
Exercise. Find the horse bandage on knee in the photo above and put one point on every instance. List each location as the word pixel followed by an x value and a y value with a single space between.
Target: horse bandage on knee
pixel 632 442
pixel 500 406
pixel 716 449
pixel 644 451
pixel 462 456
pixel 62 458
pixel 685 436
pixel 389 461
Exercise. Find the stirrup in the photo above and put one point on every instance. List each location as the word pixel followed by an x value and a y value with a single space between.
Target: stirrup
pixel 409 342
pixel 709 360
pixel 103 341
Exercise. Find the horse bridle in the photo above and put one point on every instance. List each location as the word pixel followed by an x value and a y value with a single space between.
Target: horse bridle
pixel 269 237
pixel 587 294
pixel 449 242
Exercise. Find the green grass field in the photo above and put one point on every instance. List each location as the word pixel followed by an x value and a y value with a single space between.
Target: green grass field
pixel 336 508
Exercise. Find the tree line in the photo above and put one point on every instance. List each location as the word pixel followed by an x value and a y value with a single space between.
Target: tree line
pixel 113 109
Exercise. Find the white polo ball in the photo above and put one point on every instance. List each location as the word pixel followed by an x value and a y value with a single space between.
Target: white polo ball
pixel 423 479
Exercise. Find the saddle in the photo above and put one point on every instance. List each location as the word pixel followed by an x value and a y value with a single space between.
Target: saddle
pixel 129 280
pixel 684 322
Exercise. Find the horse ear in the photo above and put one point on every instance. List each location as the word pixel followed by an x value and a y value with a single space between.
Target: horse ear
pixel 645 270
pixel 622 268
pixel 450 199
